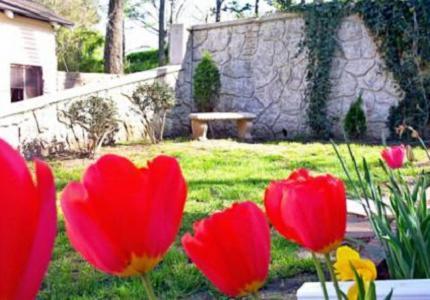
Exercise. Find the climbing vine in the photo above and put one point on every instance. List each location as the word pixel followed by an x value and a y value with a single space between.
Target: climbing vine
pixel 402 31
pixel 322 21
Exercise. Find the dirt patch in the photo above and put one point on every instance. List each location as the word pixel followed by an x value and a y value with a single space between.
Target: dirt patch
pixel 286 288
pixel 145 150
pixel 277 289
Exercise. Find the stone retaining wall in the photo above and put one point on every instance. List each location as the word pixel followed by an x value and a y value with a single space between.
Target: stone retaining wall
pixel 263 72
pixel 36 123
pixel 69 80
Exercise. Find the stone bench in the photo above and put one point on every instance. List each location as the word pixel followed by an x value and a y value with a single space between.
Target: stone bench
pixel 199 123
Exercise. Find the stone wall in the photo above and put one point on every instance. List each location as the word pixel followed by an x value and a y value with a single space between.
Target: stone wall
pixel 69 80
pixel 263 72
pixel 37 122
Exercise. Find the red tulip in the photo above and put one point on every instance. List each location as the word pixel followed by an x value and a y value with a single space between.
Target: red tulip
pixel 232 249
pixel 28 224
pixel 310 211
pixel 123 219
pixel 394 156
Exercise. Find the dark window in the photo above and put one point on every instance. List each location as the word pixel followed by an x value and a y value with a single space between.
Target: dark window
pixel 17 83
pixel 26 82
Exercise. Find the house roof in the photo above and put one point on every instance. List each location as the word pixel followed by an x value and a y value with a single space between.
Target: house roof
pixel 33 10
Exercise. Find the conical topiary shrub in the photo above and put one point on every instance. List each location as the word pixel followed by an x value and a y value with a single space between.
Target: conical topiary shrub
pixel 355 121
pixel 206 83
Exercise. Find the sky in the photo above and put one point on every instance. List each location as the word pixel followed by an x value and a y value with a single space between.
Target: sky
pixel 194 12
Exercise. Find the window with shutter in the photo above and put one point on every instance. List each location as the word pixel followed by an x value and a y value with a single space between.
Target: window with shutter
pixel 26 82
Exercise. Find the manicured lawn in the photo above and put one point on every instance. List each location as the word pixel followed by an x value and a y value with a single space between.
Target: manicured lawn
pixel 218 173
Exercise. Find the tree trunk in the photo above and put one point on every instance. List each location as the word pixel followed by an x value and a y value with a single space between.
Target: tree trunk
pixel 172 10
pixel 123 41
pixel 113 56
pixel 257 7
pixel 218 10
pixel 163 125
pixel 161 33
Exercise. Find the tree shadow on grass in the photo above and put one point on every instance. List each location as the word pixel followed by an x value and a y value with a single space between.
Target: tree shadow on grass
pixel 229 182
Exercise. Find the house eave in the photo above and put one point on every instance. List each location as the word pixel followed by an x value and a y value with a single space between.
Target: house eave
pixel 36 12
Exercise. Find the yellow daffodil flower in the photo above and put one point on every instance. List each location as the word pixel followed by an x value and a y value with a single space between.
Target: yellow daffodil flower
pixel 347 257
pixel 353 291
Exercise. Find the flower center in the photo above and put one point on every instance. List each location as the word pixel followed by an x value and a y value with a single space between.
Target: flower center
pixel 330 247
pixel 140 265
pixel 251 288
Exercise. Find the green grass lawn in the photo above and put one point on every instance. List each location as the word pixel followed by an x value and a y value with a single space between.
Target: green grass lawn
pixel 218 173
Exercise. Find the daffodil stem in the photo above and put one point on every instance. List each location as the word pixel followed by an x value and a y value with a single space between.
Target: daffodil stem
pixel 321 276
pixel 148 287
pixel 333 276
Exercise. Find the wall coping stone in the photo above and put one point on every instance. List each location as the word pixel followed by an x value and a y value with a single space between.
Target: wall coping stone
pixel 254 20
pixel 45 100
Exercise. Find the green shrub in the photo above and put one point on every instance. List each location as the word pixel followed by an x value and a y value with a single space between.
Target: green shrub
pixel 355 121
pixel 97 117
pixel 206 83
pixel 154 101
pixel 80 50
pixel 142 61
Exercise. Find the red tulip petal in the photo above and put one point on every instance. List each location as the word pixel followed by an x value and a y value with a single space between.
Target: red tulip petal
pixel 211 263
pixel 316 210
pixel 310 211
pixel 86 234
pixel 300 175
pixel 163 214
pixel 399 154
pixel 211 254
pixel 258 236
pixel 394 156
pixel 44 236
pixel 274 199
pixel 132 202
pixel 20 209
pixel 117 193
pixel 136 211
pixel 232 248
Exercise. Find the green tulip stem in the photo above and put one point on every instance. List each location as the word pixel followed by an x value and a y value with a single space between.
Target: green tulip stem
pixel 333 276
pixel 148 287
pixel 255 296
pixel 321 276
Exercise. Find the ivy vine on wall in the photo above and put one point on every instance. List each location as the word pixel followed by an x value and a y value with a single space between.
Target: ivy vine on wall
pixel 402 31
pixel 322 22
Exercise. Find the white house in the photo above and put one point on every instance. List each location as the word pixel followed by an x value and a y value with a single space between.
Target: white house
pixel 28 62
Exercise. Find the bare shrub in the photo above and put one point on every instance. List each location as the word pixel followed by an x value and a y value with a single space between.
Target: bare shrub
pixel 153 102
pixel 97 116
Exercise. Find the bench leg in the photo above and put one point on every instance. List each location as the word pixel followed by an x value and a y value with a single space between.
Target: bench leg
pixel 200 130
pixel 244 129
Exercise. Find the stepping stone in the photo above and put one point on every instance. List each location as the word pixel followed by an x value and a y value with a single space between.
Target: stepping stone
pixel 355 207
pixel 374 251
pixel 359 230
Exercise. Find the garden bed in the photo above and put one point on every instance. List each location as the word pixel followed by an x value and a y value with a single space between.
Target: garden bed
pixel 218 173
